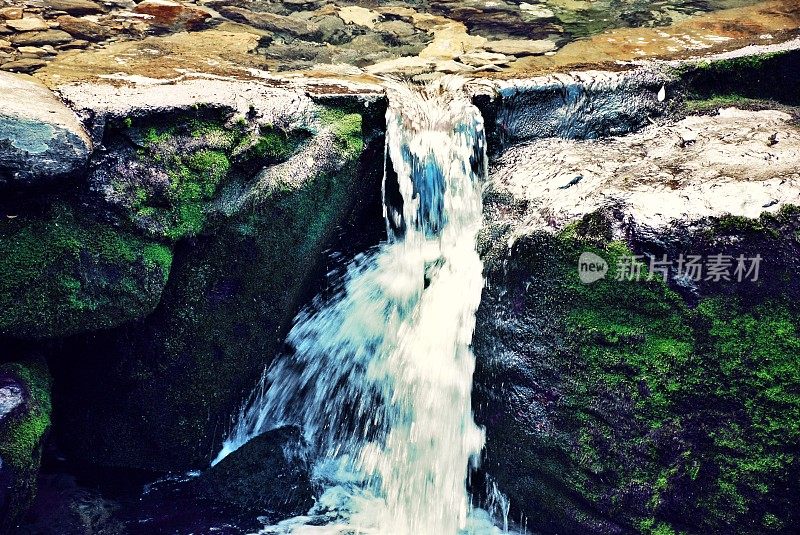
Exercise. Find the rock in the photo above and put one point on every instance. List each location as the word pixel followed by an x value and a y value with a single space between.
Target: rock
pixel 24 421
pixel 83 28
pixel 32 50
pixel 65 273
pixel 73 7
pixel 602 400
pixel 359 15
pixel 514 47
pixel 173 15
pixel 277 456
pixel 533 10
pixel 28 24
pixel 274 23
pixel 11 13
pixel 480 59
pixel 23 65
pixel 37 38
pixel 188 366
pixel 40 139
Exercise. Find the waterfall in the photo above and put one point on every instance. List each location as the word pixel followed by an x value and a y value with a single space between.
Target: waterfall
pixel 380 374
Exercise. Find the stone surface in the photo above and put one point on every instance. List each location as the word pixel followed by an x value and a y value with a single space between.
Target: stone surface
pixel 28 24
pixel 73 7
pixel 277 456
pixel 37 38
pixel 520 48
pixel 11 13
pixel 171 14
pixel 24 421
pixel 83 28
pixel 40 139
pixel 611 407
pixel 734 162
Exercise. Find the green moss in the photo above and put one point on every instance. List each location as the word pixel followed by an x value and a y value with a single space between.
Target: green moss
pixel 20 439
pixel 346 127
pixel 719 101
pixel 228 304
pixel 61 272
pixel 675 408
pixel 21 436
pixel 276 146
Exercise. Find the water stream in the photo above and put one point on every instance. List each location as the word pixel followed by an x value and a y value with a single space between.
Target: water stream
pixel 380 374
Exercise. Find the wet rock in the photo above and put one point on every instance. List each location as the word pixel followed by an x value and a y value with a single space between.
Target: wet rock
pixel 173 15
pixel 24 421
pixel 28 24
pixel 277 456
pixel 83 28
pixel 602 399
pixel 37 38
pixel 40 139
pixel 255 240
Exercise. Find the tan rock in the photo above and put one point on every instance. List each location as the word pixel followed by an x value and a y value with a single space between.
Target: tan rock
pixel 83 28
pixel 359 15
pixel 47 37
pixel 11 13
pixel 28 24
pixel 23 65
pixel 32 51
pixel 73 7
pixel 515 47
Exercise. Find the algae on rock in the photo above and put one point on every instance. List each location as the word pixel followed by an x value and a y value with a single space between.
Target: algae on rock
pixel 62 272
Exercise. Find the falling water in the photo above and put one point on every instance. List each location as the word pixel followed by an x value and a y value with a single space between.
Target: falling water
pixel 380 375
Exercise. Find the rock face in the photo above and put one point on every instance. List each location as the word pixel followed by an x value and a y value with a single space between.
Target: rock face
pixel 277 457
pixel 40 139
pixel 24 420
pixel 253 201
pixel 659 405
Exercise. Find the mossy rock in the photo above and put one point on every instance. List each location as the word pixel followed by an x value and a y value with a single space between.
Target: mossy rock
pixel 620 406
pixel 180 376
pixel 162 173
pixel 62 273
pixel 24 421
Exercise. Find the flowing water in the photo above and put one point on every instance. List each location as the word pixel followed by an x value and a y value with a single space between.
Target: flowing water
pixel 380 374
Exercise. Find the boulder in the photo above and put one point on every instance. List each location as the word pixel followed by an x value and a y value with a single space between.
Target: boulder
pixel 173 15
pixel 180 375
pixel 40 139
pixel 617 403
pixel 24 421
pixel 45 37
pixel 64 272
pixel 83 28
pixel 268 476
pixel 73 7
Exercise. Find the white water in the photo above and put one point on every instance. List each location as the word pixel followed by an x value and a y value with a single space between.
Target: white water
pixel 381 374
